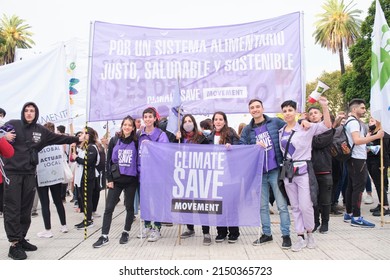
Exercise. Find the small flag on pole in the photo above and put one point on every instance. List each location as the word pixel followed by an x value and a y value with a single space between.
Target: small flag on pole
pixel 174 112
pixel 380 70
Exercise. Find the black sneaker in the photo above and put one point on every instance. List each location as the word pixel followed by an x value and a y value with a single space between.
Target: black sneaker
pixel 124 238
pixel 82 226
pixel 232 238
pixel 324 228
pixel 101 242
pixel 16 252
pixel 262 240
pixel 335 211
pixel 220 238
pixel 377 208
pixel 286 244
pixel 378 213
pixel 316 226
pixel 28 247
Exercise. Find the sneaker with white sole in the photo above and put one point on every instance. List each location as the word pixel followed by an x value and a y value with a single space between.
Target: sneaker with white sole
pixel 83 225
pixel 154 235
pixel 368 200
pixel 311 244
pixel 347 217
pixel 187 233
pixel 299 245
pixel 96 214
pixel 360 222
pixel 145 232
pixel 101 242
pixel 64 229
pixel 206 239
pixel 45 234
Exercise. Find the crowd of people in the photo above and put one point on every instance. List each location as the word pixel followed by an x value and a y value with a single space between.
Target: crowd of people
pixel 299 171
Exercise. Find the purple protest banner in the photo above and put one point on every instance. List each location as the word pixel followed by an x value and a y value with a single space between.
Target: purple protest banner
pixel 134 67
pixel 201 184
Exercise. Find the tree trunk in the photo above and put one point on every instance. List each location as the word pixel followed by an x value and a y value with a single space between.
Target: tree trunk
pixel 341 56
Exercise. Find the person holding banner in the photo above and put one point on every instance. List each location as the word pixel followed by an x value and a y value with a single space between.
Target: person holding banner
pixel 87 159
pixel 322 165
pixel 21 170
pixel 297 171
pixel 374 166
pixel 122 153
pixel 150 132
pixel 264 131
pixel 50 176
pixel 222 134
pixel 189 133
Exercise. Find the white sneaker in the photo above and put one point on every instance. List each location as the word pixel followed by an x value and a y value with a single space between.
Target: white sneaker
pixel 368 199
pixel 299 245
pixel 311 244
pixel 145 233
pixel 64 229
pixel 154 236
pixel 45 234
pixel 96 214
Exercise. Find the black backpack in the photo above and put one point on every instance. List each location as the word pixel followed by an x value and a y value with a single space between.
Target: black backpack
pixel 340 149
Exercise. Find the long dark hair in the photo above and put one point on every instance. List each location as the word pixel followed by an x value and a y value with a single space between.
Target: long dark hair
pixel 133 133
pixel 93 135
pixel 196 137
pixel 225 137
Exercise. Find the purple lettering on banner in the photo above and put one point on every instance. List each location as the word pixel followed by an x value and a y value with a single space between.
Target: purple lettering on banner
pixel 217 67
pixel 201 184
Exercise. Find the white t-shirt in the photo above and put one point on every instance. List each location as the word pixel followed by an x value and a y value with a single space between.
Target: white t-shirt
pixel 359 151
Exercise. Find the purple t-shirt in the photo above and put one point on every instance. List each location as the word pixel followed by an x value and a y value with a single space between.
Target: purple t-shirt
pixel 262 135
pixel 126 157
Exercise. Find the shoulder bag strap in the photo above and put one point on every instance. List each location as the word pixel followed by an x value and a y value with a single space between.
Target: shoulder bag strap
pixel 287 145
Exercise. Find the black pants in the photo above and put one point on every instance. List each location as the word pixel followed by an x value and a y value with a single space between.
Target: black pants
pixel 18 201
pixel 1 196
pixel 233 231
pixel 96 195
pixel 357 179
pixel 112 200
pixel 43 193
pixel 85 197
pixel 64 188
pixel 205 229
pixel 325 184
pixel 374 165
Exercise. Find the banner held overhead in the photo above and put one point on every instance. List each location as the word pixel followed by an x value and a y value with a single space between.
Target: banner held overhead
pixel 134 67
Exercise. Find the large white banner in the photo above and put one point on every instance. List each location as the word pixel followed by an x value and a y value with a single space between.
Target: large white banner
pixel 380 70
pixel 41 79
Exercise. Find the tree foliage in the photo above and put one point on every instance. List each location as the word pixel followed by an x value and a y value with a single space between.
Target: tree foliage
pixel 356 84
pixel 333 94
pixel 338 27
pixel 14 32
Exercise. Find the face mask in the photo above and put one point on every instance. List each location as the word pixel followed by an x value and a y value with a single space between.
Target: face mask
pixel 188 127
pixel 372 127
pixel 2 122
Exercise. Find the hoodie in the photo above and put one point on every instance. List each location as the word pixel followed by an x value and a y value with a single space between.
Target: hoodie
pixel 31 136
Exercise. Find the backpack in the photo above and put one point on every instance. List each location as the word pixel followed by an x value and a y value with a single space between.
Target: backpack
pixel 340 149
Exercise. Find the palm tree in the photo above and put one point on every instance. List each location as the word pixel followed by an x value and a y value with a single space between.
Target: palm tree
pixel 13 33
pixel 338 27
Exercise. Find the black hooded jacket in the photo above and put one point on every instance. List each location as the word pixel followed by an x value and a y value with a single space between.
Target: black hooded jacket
pixel 31 135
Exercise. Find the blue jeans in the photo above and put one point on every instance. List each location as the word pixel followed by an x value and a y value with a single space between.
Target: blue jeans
pixel 270 179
